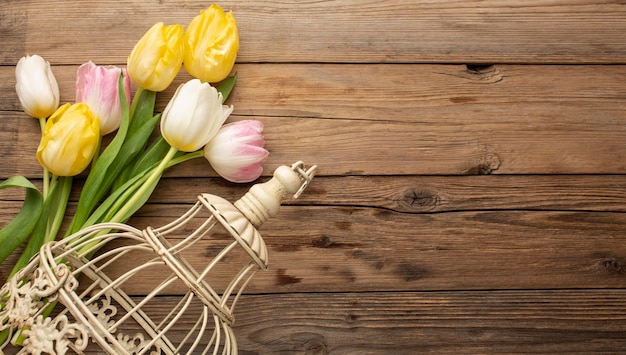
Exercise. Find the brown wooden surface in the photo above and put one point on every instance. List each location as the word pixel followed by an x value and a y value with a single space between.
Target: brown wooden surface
pixel 472 160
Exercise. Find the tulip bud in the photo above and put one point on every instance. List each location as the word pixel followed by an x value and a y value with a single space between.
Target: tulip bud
pixel 157 57
pixel 98 87
pixel 193 116
pixel 211 45
pixel 69 140
pixel 236 152
pixel 36 86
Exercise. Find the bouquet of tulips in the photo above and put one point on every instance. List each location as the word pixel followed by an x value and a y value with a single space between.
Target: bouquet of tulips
pixel 123 175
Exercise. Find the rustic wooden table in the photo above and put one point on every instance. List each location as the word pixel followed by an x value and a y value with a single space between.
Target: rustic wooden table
pixel 471 194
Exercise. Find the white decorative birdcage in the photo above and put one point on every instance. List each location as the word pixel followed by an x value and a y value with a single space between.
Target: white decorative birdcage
pixel 69 296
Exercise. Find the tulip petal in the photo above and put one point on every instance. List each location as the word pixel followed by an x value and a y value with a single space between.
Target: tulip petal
pixel 69 140
pixel 193 116
pixel 211 44
pixel 36 86
pixel 98 87
pixel 157 57
pixel 237 152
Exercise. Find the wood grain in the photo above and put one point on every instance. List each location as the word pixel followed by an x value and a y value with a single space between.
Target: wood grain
pixel 341 249
pixel 567 321
pixel 349 249
pixel 412 93
pixel 433 194
pixel 507 322
pixel 354 147
pixel 456 121
pixel 352 31
pixel 416 194
pixel 470 193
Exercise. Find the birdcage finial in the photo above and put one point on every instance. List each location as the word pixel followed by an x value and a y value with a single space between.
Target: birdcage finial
pixel 263 200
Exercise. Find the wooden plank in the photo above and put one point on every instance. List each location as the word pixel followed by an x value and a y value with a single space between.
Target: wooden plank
pixel 409 194
pixel 416 194
pixel 492 31
pixel 585 321
pixel 510 322
pixel 460 207
pixel 14 15
pixel 347 147
pixel 341 249
pixel 353 147
pixel 357 249
pixel 505 120
pixel 356 147
pixel 430 194
pixel 444 94
pixel 449 94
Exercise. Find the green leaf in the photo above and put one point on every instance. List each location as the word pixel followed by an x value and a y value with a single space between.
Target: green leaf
pixel 131 201
pixel 152 156
pixel 17 181
pixel 58 205
pixel 142 125
pixel 36 239
pixel 14 233
pixel 115 198
pixel 118 155
pixel 91 191
pixel 49 222
pixel 131 195
pixel 226 86
pixel 133 149
pixel 143 108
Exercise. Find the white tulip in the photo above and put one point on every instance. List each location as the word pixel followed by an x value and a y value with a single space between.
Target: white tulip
pixel 193 116
pixel 36 86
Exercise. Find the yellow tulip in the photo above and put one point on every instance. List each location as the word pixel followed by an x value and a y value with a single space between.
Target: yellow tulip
pixel 211 45
pixel 157 57
pixel 69 140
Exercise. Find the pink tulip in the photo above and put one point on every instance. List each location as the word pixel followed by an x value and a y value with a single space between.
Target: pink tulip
pixel 236 152
pixel 98 87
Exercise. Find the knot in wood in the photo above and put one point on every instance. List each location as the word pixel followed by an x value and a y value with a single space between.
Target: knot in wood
pixel 488 163
pixel 612 265
pixel 484 73
pixel 310 343
pixel 419 199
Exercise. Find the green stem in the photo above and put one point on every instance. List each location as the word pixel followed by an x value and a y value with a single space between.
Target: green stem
pixel 53 181
pixel 60 205
pixel 154 175
pixel 185 157
pixel 124 199
pixel 132 192
pixel 135 101
pixel 97 153
pixel 46 174
pixel 136 191
pixel 139 187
